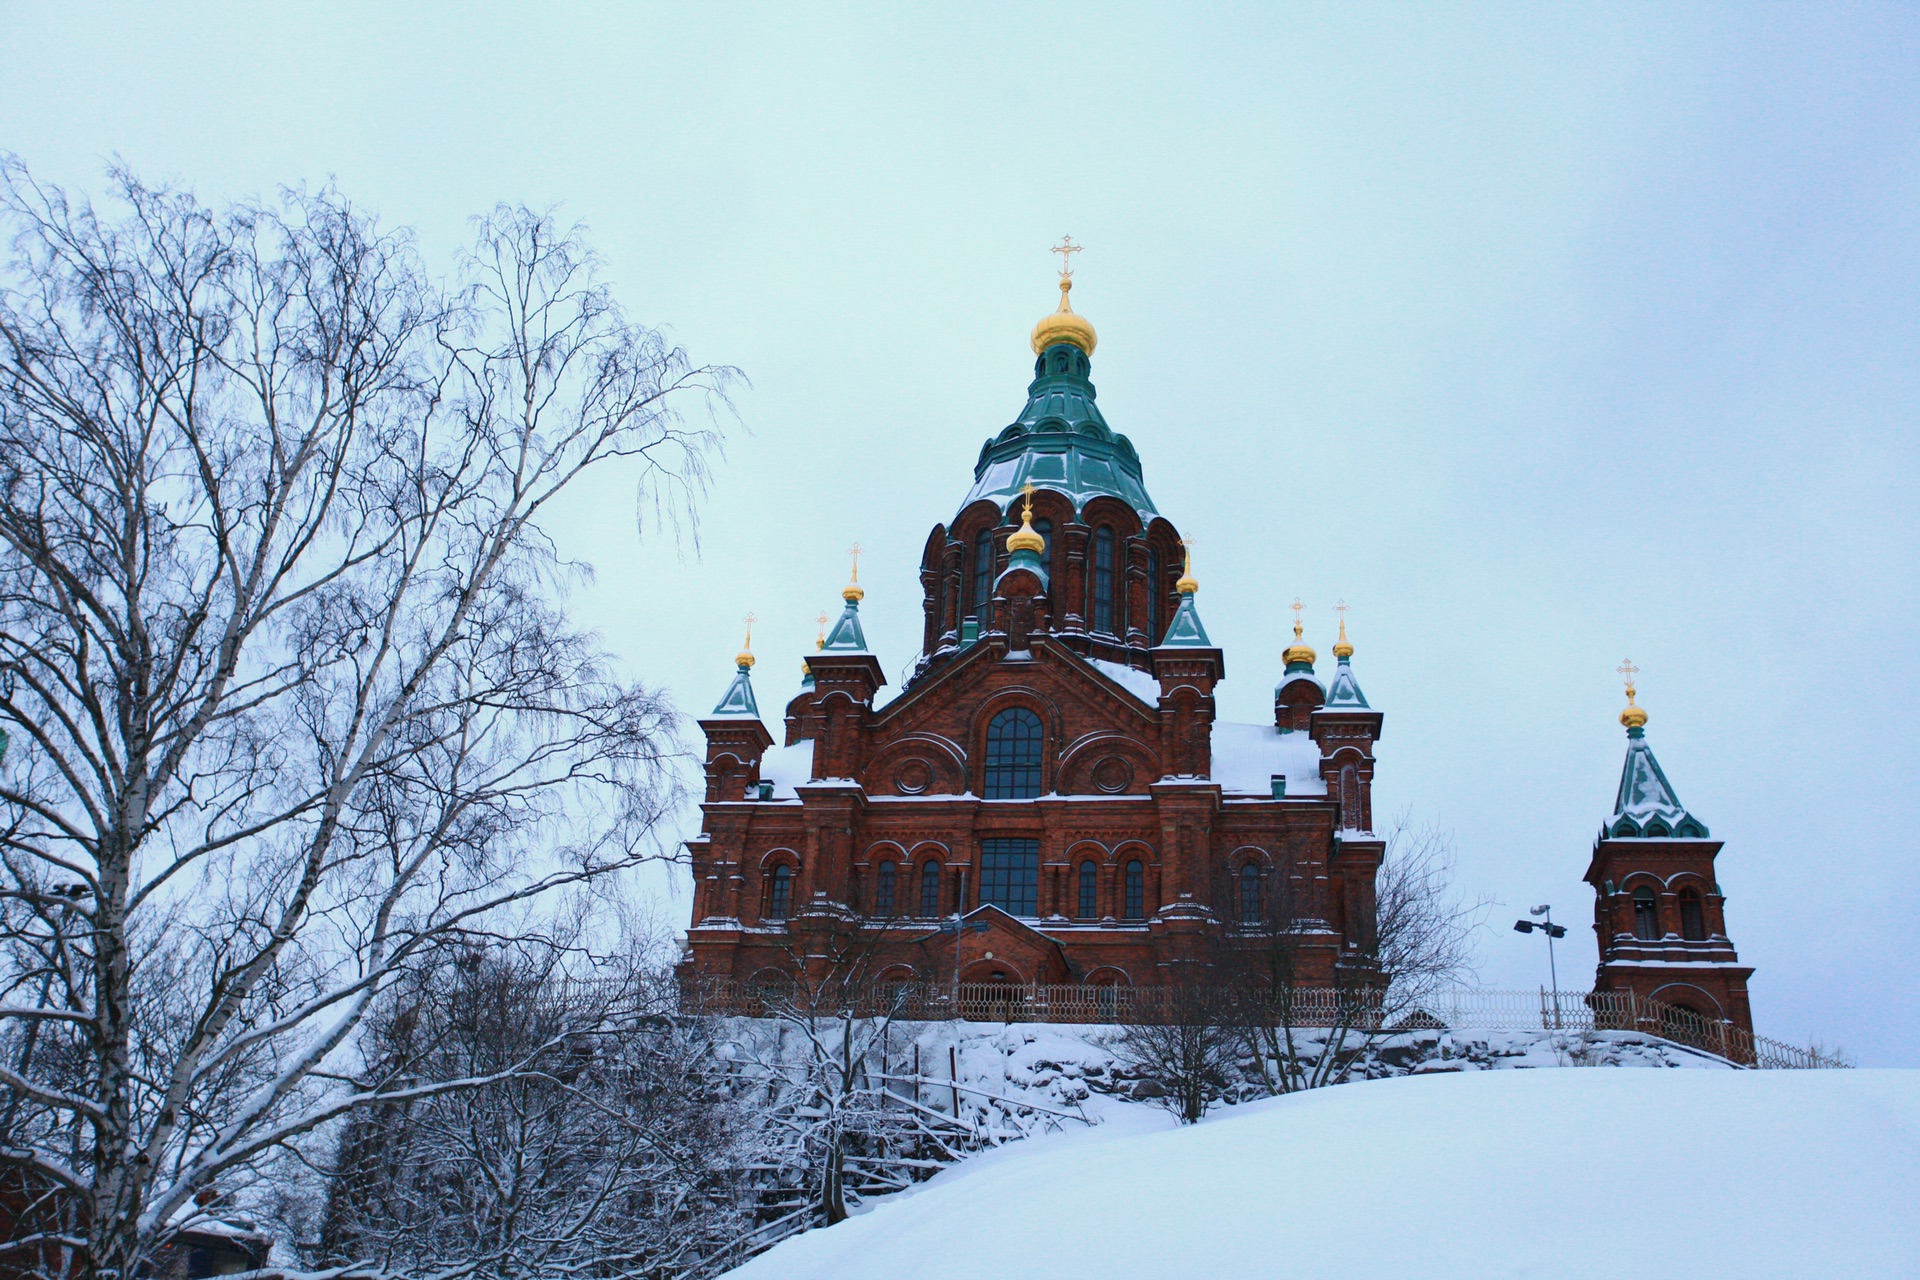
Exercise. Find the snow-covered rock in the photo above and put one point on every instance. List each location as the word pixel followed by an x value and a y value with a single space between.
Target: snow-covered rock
pixel 1561 1173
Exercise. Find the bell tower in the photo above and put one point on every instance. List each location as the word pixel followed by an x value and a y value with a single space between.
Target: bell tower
pixel 1659 913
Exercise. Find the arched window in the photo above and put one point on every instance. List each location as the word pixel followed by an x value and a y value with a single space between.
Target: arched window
pixel 883 890
pixel 1136 890
pixel 1089 891
pixel 1693 918
pixel 1250 894
pixel 1156 597
pixel 1646 914
pixel 1044 527
pixel 982 574
pixel 1013 755
pixel 1103 579
pixel 929 888
pixel 780 893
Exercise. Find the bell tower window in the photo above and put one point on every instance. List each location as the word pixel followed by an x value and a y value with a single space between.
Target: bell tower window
pixel 1693 918
pixel 1646 915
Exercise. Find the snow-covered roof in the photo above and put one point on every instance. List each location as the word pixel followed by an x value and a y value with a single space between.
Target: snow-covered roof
pixel 1135 681
pixel 787 768
pixel 1246 756
pixel 1646 805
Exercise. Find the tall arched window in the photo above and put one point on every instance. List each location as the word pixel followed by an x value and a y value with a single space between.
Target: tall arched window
pixel 1250 894
pixel 982 574
pixel 1103 579
pixel 929 888
pixel 1693 916
pixel 883 890
pixel 1089 891
pixel 1013 755
pixel 780 893
pixel 1646 914
pixel 1136 883
pixel 1156 597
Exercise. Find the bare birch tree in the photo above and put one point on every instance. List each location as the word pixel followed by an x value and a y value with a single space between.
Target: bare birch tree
pixel 1303 1033
pixel 292 696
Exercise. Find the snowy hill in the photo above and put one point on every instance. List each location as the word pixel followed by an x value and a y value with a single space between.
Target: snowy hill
pixel 1562 1173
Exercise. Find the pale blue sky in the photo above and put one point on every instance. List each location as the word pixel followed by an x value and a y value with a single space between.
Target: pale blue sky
pixel 1545 335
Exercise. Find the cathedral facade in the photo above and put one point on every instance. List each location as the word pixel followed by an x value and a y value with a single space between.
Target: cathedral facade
pixel 1052 771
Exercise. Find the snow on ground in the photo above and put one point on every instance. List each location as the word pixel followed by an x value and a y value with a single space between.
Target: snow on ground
pixel 1555 1173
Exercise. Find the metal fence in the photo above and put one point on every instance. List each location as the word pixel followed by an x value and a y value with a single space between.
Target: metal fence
pixel 1459 1008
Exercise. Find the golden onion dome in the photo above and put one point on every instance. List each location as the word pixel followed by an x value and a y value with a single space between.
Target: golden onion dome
pixel 1299 650
pixel 1064 326
pixel 1341 647
pixel 1631 716
pixel 1025 538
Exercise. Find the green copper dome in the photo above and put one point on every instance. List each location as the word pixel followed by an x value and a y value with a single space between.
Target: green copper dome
pixel 1060 442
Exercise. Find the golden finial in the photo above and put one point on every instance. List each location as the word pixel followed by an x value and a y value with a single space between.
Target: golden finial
pixel 1187 584
pixel 853 594
pixel 1631 716
pixel 1024 538
pixel 1063 325
pixel 745 657
pixel 820 641
pixel 1299 651
pixel 1342 649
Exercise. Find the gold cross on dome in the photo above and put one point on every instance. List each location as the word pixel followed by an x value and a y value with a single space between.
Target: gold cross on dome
pixel 1027 491
pixel 1186 545
pixel 1627 672
pixel 1064 248
pixel 1340 606
pixel 821 641
pixel 1297 607
pixel 750 620
pixel 855 551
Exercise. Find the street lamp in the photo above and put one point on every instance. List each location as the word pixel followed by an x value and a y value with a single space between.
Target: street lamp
pixel 1552 930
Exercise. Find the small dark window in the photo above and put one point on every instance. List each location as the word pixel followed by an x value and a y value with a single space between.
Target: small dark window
pixel 883 890
pixel 780 895
pixel 1044 527
pixel 1014 743
pixel 1136 890
pixel 1250 894
pixel 982 574
pixel 1646 915
pixel 1103 579
pixel 1010 874
pixel 1693 918
pixel 929 888
pixel 1089 891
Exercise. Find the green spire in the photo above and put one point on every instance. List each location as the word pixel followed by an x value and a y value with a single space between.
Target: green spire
pixel 1646 806
pixel 1345 691
pixel 738 699
pixel 846 636
pixel 1185 631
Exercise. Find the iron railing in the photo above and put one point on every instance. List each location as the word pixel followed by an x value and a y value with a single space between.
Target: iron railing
pixel 1367 1010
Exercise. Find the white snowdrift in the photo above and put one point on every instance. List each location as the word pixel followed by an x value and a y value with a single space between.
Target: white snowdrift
pixel 1562 1173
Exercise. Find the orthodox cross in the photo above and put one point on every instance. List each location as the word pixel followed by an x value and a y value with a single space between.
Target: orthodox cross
pixel 1341 608
pixel 1186 549
pixel 1297 607
pixel 821 641
pixel 1627 672
pixel 1027 489
pixel 748 643
pixel 854 551
pixel 1064 248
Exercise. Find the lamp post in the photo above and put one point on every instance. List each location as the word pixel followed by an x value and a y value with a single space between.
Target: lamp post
pixel 1552 930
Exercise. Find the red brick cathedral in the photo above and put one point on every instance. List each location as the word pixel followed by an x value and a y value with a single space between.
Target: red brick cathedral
pixel 1053 769
pixel 1052 765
